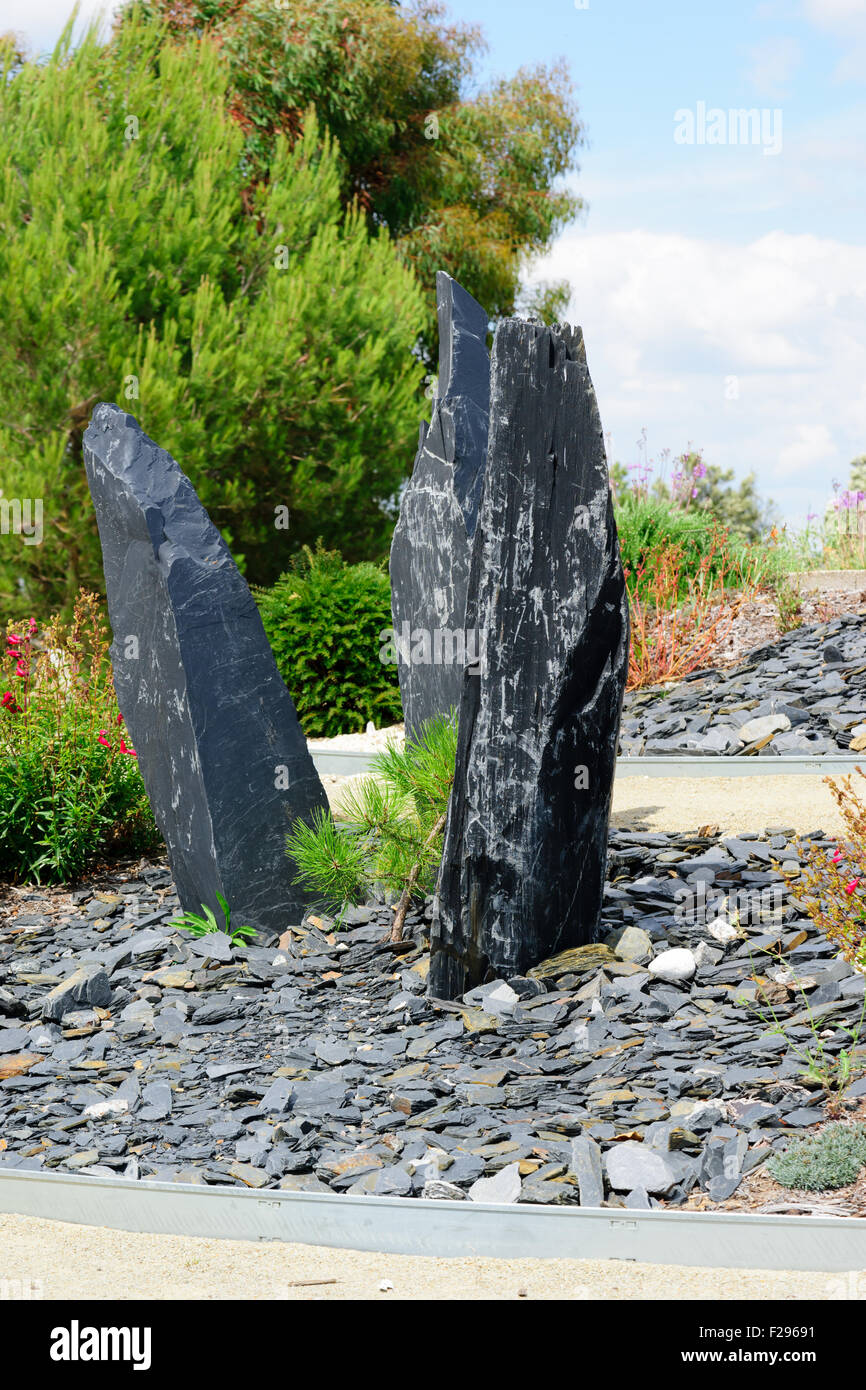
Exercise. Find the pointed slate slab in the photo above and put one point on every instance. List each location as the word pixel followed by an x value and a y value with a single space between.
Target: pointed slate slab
pixel 525 841
pixel 432 543
pixel 221 752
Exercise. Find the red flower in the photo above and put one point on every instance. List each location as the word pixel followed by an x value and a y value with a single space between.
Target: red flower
pixel 849 887
pixel 12 638
pixel 8 702
pixel 103 738
pixel 21 669
pixel 837 856
pixel 131 751
pixel 120 719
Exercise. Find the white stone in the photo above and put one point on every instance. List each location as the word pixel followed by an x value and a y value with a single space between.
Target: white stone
pixel 763 726
pixel 632 1165
pixel 504 1186
pixel 101 1108
pixel 722 930
pixel 674 966
pixel 497 998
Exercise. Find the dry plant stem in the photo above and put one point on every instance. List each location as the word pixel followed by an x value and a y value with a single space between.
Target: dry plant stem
pixel 673 636
pixel 403 905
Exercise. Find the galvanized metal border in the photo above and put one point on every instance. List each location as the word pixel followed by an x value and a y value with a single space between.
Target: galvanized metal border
pixel 442 1229
pixel 332 762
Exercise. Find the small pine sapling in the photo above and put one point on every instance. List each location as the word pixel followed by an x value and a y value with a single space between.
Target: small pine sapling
pixel 391 836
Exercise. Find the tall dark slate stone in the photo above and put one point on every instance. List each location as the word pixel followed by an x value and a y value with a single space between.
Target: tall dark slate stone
pixel 221 752
pixel 525 842
pixel 433 539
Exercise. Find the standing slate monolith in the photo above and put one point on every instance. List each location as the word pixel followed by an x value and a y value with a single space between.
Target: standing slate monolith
pixel 221 752
pixel 525 842
pixel 432 544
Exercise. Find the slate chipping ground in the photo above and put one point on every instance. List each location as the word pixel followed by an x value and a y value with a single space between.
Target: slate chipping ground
pixel 319 1064
pixel 803 695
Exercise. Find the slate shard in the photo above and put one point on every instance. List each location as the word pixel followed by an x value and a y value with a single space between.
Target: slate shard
pixel 525 841
pixel 221 752
pixel 431 550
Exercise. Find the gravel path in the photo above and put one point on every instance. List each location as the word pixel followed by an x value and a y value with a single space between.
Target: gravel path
pixel 732 803
pixel 81 1262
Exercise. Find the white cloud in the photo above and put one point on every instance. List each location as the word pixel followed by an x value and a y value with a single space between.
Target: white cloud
pixel 42 21
pixel 845 20
pixel 772 65
pixel 671 321
pixel 838 16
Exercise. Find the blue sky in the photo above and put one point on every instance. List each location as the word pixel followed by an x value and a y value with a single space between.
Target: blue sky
pixel 721 288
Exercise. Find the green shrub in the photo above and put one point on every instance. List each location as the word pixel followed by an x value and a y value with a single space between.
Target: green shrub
pixel 649 528
pixel 323 619
pixel 263 335
pixel 70 788
pixel 832 1158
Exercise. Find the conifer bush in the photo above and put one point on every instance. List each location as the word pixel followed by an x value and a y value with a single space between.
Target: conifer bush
pixel 263 334
pixel 323 619
pixel 391 834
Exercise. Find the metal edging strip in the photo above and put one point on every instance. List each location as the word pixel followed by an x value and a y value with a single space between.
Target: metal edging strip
pixel 348 764
pixel 443 1229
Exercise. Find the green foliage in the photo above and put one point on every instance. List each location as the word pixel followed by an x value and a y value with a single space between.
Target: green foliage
pixel 323 619
pixel 392 835
pixel 465 180
pixel 70 789
pixel 832 1068
pixel 789 605
pixel 832 1158
pixel 203 925
pixel 650 526
pixel 739 509
pixel 264 335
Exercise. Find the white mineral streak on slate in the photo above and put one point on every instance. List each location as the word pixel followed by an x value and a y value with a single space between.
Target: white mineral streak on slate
pixel 525 842
pixel 433 539
pixel 221 752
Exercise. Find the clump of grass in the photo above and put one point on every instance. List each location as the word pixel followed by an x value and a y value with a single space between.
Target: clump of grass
pixel 204 923
pixel 832 1158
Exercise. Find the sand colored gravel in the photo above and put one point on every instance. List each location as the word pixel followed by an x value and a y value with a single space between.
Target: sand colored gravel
pixel 81 1262
pixel 678 803
pixel 733 803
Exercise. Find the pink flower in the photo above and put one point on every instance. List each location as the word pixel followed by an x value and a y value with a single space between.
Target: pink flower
pixel 103 738
pixel 131 751
pixel 8 702
pixel 837 856
pixel 32 626
pixel 12 638
pixel 120 719
pixel 21 669
pixel 849 887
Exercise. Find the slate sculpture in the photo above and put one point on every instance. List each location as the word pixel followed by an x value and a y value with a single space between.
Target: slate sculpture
pixel 222 755
pixel 523 866
pixel 432 543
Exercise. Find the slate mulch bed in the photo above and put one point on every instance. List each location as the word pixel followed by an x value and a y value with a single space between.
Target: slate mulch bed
pixel 318 1064
pixel 802 695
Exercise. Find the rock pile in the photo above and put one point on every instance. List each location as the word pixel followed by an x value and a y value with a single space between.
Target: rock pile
pixel 803 695
pixel 629 1071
